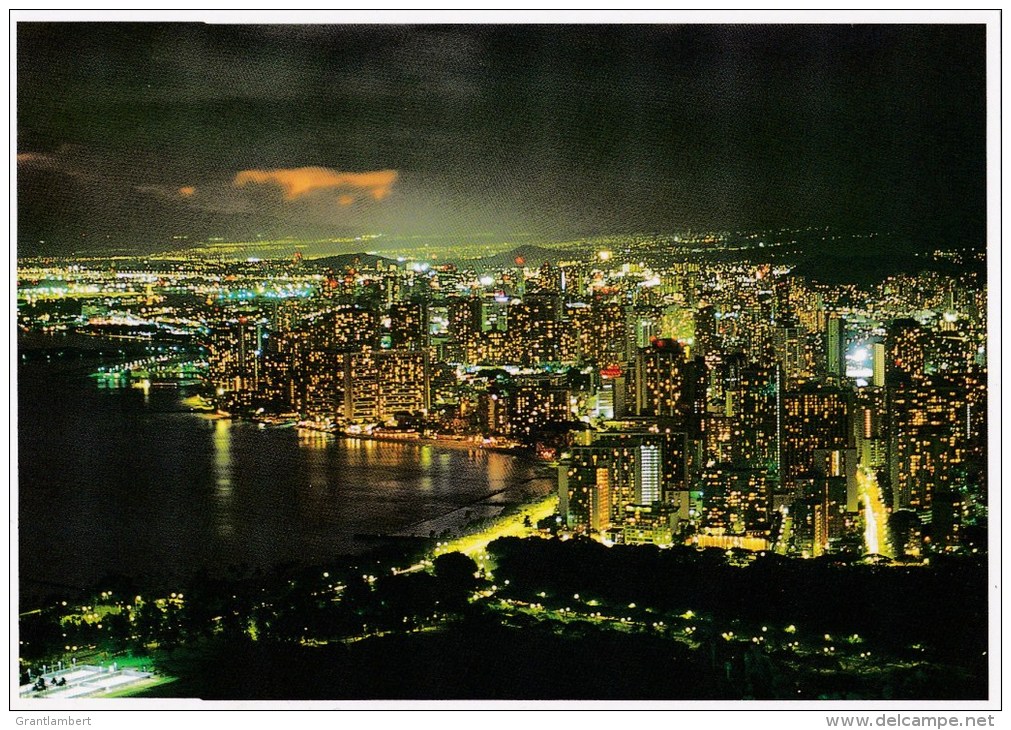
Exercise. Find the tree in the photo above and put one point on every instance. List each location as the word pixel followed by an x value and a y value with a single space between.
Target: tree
pixel 456 575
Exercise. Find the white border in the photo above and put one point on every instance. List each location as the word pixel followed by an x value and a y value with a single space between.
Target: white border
pixel 125 714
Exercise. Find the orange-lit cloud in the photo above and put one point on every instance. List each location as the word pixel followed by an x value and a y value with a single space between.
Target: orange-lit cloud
pixel 41 160
pixel 187 191
pixel 300 181
pixel 27 158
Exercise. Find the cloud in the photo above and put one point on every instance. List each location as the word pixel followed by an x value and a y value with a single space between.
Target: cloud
pixel 65 160
pixel 167 192
pixel 301 181
pixel 36 159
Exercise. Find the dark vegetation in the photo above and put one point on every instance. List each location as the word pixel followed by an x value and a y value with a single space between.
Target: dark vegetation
pixel 943 606
pixel 364 631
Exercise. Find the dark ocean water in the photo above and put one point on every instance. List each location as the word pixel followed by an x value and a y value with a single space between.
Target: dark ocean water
pixel 119 482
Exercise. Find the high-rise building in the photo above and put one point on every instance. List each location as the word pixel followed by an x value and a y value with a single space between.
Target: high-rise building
pixel 381 385
pixel 706 339
pixel 879 359
pixel 494 314
pixel 927 439
pixel 840 464
pixel 641 328
pixel 695 397
pixel 814 418
pixel 758 412
pixel 605 334
pixel 493 412
pixel 611 394
pixel 534 404
pixel 835 347
pixel 464 315
pixel 408 326
pixel 236 358
pixel 634 467
pixel 347 329
pixel 869 428
pixel 819 513
pixel 538 328
pixel 648 473
pixel 907 344
pixel 660 380
pixel 549 278
pixel 784 307
pixel 789 343
pixel 736 500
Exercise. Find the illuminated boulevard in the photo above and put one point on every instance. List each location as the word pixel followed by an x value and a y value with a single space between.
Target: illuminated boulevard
pixel 875 515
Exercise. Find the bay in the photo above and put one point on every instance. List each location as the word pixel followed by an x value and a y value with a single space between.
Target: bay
pixel 119 481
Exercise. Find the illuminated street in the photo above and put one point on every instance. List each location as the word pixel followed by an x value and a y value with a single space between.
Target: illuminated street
pixel 783 543
pixel 875 515
pixel 511 526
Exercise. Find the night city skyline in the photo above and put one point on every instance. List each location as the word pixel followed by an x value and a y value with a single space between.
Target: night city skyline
pixel 530 363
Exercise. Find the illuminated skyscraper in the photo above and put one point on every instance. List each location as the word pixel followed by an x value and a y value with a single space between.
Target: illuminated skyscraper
pixel 600 499
pixel 463 327
pixel 647 474
pixel 819 513
pixel 494 314
pixel 633 467
pixel 840 464
pixel 611 393
pixel 641 327
pixel 549 278
pixel 880 360
pixel 789 343
pixel 379 385
pixel 927 439
pixel 706 342
pixel 236 358
pixel 464 315
pixel 408 326
pixel 493 412
pixel 536 328
pixel 660 380
pixel 736 500
pixel 907 344
pixel 870 428
pixel 604 337
pixel 758 410
pixel 534 403
pixel 835 347
pixel 347 329
pixel 813 418
pixel 784 308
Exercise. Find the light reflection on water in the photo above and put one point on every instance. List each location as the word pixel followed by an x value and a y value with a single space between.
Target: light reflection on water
pixel 111 484
pixel 223 475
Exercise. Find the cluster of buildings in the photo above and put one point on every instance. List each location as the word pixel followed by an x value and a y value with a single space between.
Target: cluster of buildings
pixel 729 404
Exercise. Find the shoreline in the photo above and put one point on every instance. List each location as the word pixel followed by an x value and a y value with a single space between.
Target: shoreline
pixel 462 443
pixel 390 525
pixel 441 441
pixel 460 527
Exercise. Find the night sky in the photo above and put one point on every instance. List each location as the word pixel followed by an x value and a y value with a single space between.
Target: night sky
pixel 130 134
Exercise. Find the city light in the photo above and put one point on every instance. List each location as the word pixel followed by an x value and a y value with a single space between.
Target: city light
pixel 362 424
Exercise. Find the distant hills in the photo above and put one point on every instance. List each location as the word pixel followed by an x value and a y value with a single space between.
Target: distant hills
pixel 345 260
pixel 525 255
